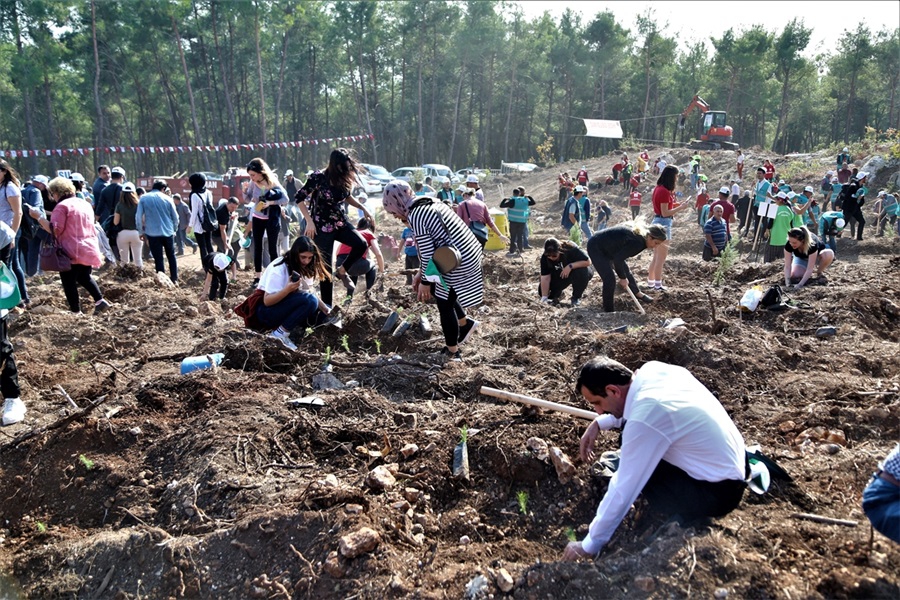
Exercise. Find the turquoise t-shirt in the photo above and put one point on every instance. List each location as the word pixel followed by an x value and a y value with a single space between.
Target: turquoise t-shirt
pixel 762 189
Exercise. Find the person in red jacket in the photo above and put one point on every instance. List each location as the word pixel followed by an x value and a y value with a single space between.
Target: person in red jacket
pixel 582 176
pixel 770 169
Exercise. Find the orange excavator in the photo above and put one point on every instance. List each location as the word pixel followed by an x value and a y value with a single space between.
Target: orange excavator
pixel 716 135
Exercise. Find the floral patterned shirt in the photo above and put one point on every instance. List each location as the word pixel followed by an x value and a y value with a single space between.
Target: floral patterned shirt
pixel 326 202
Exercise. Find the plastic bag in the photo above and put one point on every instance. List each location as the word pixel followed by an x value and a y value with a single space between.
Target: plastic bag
pixel 751 298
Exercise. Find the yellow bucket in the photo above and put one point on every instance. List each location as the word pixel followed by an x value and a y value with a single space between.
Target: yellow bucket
pixel 494 242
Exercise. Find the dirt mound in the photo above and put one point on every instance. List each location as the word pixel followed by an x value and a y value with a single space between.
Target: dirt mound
pixel 215 484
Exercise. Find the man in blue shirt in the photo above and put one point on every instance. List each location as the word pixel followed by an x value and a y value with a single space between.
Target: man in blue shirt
pixel 29 241
pixel 101 181
pixel 156 221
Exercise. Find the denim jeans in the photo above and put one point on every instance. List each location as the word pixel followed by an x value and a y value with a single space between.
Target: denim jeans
pixel 586 230
pixel 17 269
pixel 30 254
pixel 183 240
pixel 297 308
pixel 881 503
pixel 157 245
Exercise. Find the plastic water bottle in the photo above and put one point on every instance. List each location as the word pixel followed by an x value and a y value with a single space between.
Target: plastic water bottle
pixel 196 363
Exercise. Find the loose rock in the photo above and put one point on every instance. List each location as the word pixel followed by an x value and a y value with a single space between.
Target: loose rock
pixel 565 470
pixel 380 478
pixel 359 542
pixel 504 580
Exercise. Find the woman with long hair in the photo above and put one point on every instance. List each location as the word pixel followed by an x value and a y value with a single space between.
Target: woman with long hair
pixel 803 253
pixel 609 248
pixel 665 207
pixel 129 239
pixel 289 301
pixel 321 200
pixel 436 226
pixel 266 198
pixel 11 214
pixel 72 222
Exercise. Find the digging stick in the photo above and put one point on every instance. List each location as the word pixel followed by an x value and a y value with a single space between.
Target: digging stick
pixel 504 395
pixel 826 520
pixel 636 303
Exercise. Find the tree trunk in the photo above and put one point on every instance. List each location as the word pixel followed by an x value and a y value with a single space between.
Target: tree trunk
pixel 259 76
pixel 101 125
pixel 646 99
pixel 365 95
pixel 421 140
pixel 782 114
pixel 187 80
pixel 512 92
pixel 52 139
pixel 459 84
pixel 226 90
pixel 280 88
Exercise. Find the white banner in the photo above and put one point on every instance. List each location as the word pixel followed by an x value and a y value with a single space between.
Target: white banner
pixel 603 129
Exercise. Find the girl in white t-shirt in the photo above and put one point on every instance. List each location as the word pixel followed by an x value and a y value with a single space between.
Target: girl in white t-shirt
pixel 289 301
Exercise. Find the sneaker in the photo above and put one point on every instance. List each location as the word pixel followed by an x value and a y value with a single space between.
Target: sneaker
pixel 256 282
pixel 13 411
pixel 511 254
pixel 465 332
pixel 284 339
pixel 660 287
pixel 195 249
pixel 101 306
pixel 452 356
pixel 575 303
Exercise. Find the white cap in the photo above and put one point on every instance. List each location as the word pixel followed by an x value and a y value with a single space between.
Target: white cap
pixel 40 179
pixel 76 177
pixel 781 182
pixel 118 171
pixel 724 190
pixel 471 179
pixel 846 149
pixel 835 180
pixel 830 173
pixel 881 193
pixel 809 189
pixel 781 195
pixel 862 175
pixel 288 173
pixel 840 223
pixel 128 187
pixel 221 261
pixel 580 189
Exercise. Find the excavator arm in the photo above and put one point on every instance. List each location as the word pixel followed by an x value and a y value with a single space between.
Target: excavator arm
pixel 698 103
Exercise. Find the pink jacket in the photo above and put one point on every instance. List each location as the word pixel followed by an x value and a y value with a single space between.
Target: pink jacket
pixel 73 225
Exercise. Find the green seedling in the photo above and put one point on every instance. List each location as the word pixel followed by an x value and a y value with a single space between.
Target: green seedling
pixel 570 534
pixel 73 356
pixel 345 343
pixel 463 434
pixel 86 462
pixel 727 258
pixel 308 332
pixel 522 499
pixel 41 528
pixel 377 345
pixel 327 354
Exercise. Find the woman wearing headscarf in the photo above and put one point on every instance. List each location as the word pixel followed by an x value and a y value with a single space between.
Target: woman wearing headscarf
pixel 609 248
pixel 321 200
pixel 200 197
pixel 436 225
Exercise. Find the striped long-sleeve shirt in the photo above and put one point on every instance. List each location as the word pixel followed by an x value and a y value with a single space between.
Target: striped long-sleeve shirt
pixel 467 279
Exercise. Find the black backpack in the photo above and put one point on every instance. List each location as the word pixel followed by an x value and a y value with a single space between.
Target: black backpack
pixel 208 217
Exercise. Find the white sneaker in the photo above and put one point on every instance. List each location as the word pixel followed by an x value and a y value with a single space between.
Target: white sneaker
pixel 284 339
pixel 13 411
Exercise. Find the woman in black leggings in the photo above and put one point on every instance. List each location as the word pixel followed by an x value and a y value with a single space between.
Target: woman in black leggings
pixel 266 197
pixel 321 200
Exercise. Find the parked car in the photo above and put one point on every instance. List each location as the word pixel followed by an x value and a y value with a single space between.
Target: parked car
pixel 440 173
pixel 408 174
pixel 378 172
pixel 369 184
pixel 463 173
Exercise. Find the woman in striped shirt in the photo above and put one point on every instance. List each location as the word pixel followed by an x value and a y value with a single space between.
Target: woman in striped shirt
pixel 435 225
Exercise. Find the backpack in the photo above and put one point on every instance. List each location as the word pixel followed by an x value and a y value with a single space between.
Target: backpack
pixel 208 217
pixel 564 221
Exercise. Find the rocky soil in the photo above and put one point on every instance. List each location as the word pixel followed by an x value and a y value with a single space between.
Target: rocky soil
pixel 215 484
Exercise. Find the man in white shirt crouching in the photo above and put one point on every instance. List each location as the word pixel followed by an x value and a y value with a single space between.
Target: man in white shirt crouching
pixel 680 449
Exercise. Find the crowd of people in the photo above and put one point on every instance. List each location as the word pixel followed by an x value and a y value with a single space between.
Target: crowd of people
pixel 680 451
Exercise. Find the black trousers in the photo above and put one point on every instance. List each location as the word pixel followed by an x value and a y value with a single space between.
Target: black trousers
pixel 9 375
pixel 578 279
pixel 855 213
pixel 204 242
pixel 79 275
pixel 325 242
pixel 271 227
pixel 450 312
pixel 672 491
